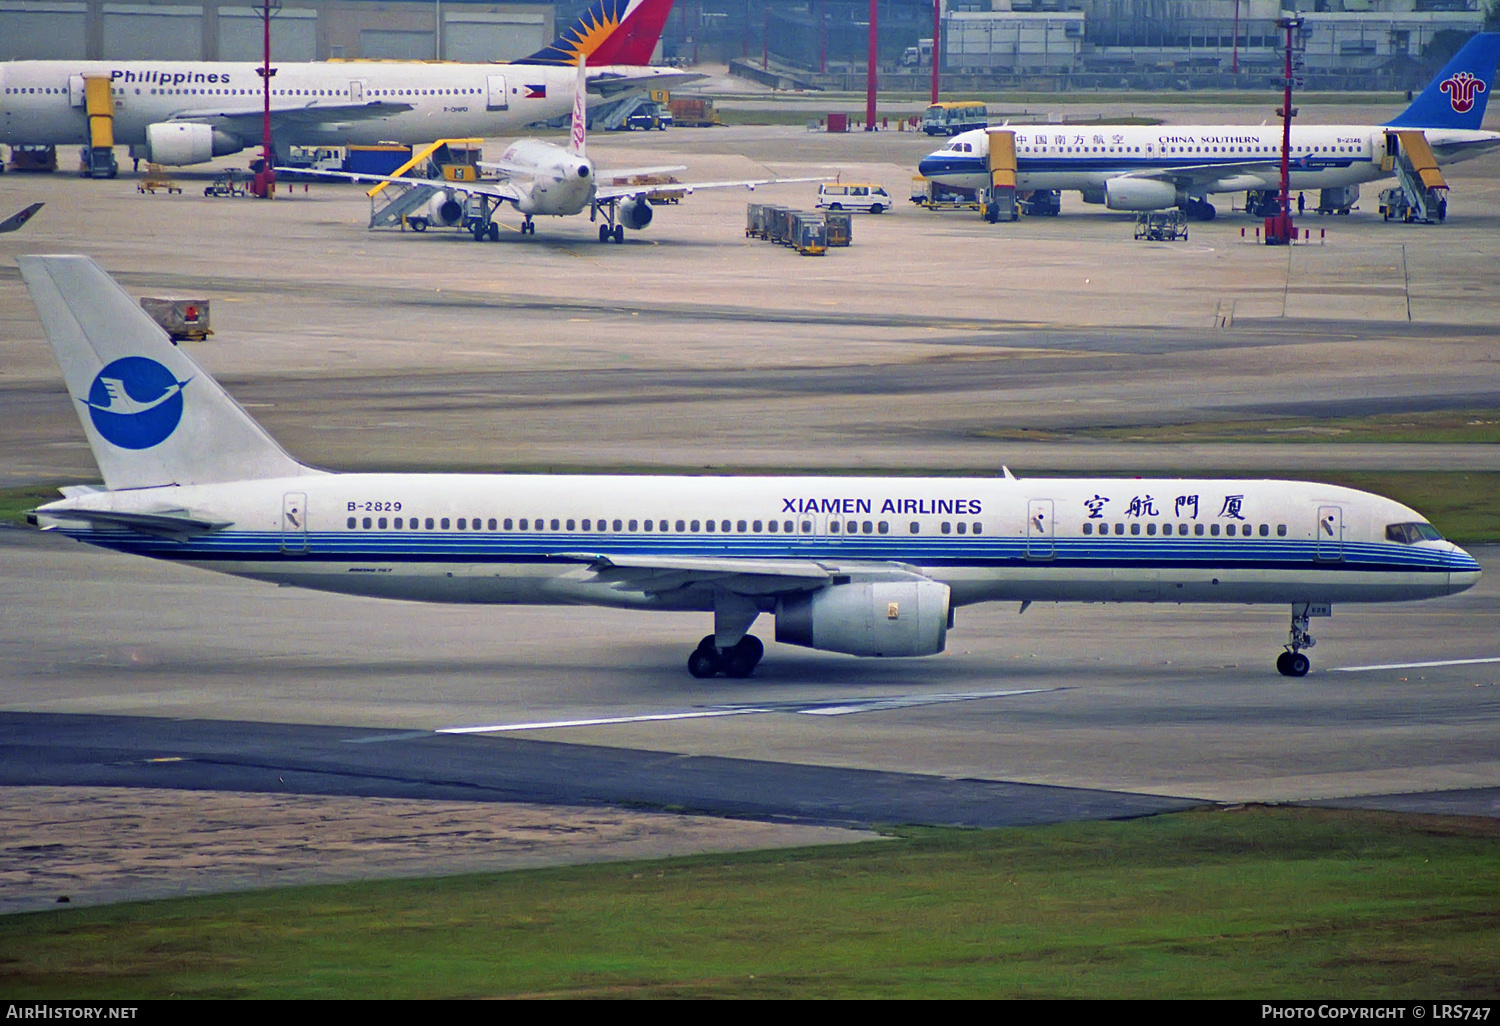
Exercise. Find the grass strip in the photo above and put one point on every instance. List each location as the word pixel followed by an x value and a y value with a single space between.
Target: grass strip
pixel 1248 902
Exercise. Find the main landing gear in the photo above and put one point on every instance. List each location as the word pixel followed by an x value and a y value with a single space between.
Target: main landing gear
pixel 609 233
pixel 1292 663
pixel 738 660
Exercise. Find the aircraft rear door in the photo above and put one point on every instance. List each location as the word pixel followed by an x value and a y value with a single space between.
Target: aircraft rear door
pixel 75 91
pixel 1040 543
pixel 1330 546
pixel 294 522
pixel 498 98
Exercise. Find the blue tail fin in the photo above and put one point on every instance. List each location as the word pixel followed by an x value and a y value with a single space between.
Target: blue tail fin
pixel 1461 91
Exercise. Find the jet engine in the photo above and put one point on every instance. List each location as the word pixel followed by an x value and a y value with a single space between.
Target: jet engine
pixel 635 213
pixel 177 143
pixel 443 210
pixel 878 618
pixel 1139 194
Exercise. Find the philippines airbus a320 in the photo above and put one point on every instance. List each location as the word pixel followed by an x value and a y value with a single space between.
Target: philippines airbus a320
pixel 864 566
pixel 1129 167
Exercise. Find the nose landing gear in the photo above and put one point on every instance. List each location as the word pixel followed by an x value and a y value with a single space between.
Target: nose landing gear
pixel 1292 663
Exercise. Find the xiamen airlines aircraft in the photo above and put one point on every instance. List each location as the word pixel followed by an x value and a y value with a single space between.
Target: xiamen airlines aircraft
pixel 187 112
pixel 1152 168
pixel 542 179
pixel 865 566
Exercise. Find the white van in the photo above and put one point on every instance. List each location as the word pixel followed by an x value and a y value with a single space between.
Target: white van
pixel 852 196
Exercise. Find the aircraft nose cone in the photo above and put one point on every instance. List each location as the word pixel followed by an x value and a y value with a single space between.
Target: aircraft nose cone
pixel 1463 571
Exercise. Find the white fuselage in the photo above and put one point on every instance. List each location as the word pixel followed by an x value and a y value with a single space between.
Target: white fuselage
pixel 556 181
pixel 515 539
pixel 1084 159
pixel 41 102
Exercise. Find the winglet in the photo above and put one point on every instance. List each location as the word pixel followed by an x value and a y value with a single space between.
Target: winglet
pixel 15 220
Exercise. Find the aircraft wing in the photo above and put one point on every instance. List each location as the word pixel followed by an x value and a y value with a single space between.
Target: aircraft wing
pixel 248 119
pixel 495 190
pixel 607 193
pixel 19 218
pixel 172 524
pixel 1200 176
pixel 655 575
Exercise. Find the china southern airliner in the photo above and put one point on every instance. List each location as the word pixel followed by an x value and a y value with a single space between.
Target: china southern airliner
pixel 188 112
pixel 1129 167
pixel 864 566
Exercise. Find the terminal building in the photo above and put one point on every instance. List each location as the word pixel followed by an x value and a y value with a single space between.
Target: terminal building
pixel 301 30
pixel 1355 44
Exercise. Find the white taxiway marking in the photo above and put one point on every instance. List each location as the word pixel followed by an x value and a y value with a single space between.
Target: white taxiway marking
pixel 826 707
pixel 1415 666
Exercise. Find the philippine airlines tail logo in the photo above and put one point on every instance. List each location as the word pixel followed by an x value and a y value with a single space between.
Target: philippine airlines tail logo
pixel 135 403
pixel 1461 90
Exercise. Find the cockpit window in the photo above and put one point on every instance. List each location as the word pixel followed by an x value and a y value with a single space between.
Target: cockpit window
pixel 1411 533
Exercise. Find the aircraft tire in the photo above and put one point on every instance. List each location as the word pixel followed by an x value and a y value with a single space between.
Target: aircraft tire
pixel 1281 664
pixel 604 233
pixel 494 232
pixel 619 233
pixel 705 663
pixel 1298 664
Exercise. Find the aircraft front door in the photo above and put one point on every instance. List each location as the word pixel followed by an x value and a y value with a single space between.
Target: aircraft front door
pixel 498 99
pixel 357 90
pixel 294 522
pixel 1040 542
pixel 1330 545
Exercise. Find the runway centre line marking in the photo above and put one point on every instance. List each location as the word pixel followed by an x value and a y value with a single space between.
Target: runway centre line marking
pixel 1414 666
pixel 821 707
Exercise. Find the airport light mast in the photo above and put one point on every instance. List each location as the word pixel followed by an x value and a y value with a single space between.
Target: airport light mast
pixel 1279 229
pixel 264 185
pixel 870 76
pixel 937 44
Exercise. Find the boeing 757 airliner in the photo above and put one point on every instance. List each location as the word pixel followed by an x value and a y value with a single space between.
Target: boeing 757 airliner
pixel 1129 167
pixel 865 566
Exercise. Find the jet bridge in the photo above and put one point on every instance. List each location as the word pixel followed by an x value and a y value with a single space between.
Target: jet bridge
pixel 1422 195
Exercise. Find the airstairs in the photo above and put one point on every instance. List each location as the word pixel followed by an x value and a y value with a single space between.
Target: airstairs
pixel 389 205
pixel 1422 195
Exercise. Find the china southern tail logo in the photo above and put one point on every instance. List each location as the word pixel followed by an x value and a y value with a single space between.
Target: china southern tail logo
pixel 1461 90
pixel 135 403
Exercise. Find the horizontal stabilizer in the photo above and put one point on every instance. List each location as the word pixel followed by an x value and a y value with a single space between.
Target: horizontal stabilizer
pixel 172 524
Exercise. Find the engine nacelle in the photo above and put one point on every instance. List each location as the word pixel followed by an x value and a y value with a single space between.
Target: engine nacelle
pixel 444 210
pixel 177 143
pixel 880 618
pixel 1139 194
pixel 635 213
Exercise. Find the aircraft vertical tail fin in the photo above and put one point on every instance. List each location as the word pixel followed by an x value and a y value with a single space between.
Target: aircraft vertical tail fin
pixel 579 139
pixel 608 32
pixel 1457 97
pixel 153 417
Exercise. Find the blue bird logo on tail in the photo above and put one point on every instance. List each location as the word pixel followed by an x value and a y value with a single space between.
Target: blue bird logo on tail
pixel 135 403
